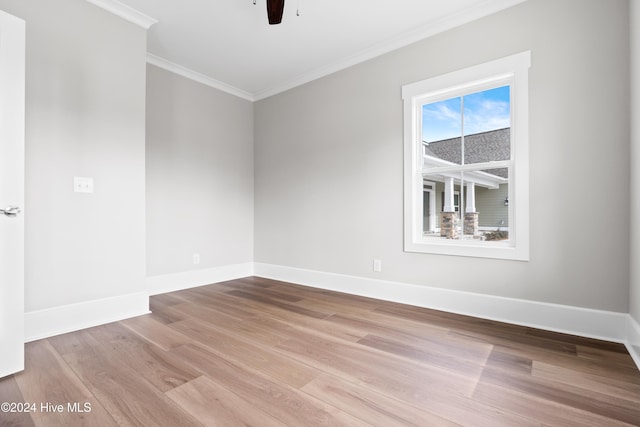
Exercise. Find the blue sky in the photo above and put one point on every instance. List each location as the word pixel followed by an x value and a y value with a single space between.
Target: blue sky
pixel 483 111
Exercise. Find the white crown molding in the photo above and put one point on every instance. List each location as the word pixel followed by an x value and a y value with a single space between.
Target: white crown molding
pixel 125 12
pixel 481 10
pixel 198 77
pixel 73 317
pixel 485 8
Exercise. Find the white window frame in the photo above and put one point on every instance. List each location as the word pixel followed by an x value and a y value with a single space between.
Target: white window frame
pixel 514 71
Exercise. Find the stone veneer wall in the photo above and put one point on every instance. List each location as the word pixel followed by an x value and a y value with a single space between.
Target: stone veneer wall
pixel 449 225
pixel 471 223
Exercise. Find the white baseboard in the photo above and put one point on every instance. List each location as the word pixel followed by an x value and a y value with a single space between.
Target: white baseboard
pixel 190 279
pixel 633 340
pixel 599 324
pixel 68 318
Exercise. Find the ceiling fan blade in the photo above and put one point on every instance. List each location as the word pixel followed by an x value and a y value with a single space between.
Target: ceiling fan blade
pixel 274 11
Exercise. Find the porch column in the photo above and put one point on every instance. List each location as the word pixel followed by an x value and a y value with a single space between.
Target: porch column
pixel 448 195
pixel 470 214
pixel 449 217
pixel 471 197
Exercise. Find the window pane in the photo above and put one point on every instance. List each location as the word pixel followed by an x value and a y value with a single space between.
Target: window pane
pixel 487 122
pixel 441 131
pixel 492 204
pixel 445 201
pixel 469 205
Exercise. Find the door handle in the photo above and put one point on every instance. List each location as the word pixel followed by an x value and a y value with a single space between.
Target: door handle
pixel 10 211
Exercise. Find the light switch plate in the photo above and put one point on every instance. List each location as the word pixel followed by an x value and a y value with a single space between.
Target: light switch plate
pixel 82 184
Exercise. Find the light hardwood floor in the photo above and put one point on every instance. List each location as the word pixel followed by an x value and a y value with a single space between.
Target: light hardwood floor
pixel 266 353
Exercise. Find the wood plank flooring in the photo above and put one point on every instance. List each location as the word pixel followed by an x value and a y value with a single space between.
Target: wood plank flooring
pixel 266 353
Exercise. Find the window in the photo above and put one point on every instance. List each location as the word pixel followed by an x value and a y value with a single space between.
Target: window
pixel 466 161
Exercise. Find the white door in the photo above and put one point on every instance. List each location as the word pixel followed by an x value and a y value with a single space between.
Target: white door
pixel 12 76
pixel 429 207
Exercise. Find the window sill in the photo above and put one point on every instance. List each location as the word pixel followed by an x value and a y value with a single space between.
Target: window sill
pixel 469 248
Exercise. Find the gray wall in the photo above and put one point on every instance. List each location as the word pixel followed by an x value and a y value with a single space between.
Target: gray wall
pixel 635 160
pixel 199 175
pixel 328 160
pixel 85 109
pixel 328 169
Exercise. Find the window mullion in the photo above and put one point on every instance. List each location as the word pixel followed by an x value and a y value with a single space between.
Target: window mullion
pixel 470 167
pixel 462 162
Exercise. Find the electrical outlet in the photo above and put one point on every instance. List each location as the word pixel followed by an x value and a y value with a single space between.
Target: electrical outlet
pixel 196 259
pixel 82 184
pixel 377 265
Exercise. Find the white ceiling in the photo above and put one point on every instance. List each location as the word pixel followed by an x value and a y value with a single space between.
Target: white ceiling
pixel 230 43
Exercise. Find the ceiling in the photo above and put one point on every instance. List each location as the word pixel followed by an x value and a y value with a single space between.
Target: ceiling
pixel 230 44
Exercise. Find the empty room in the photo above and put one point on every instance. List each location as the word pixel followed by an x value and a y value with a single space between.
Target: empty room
pixel 300 213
